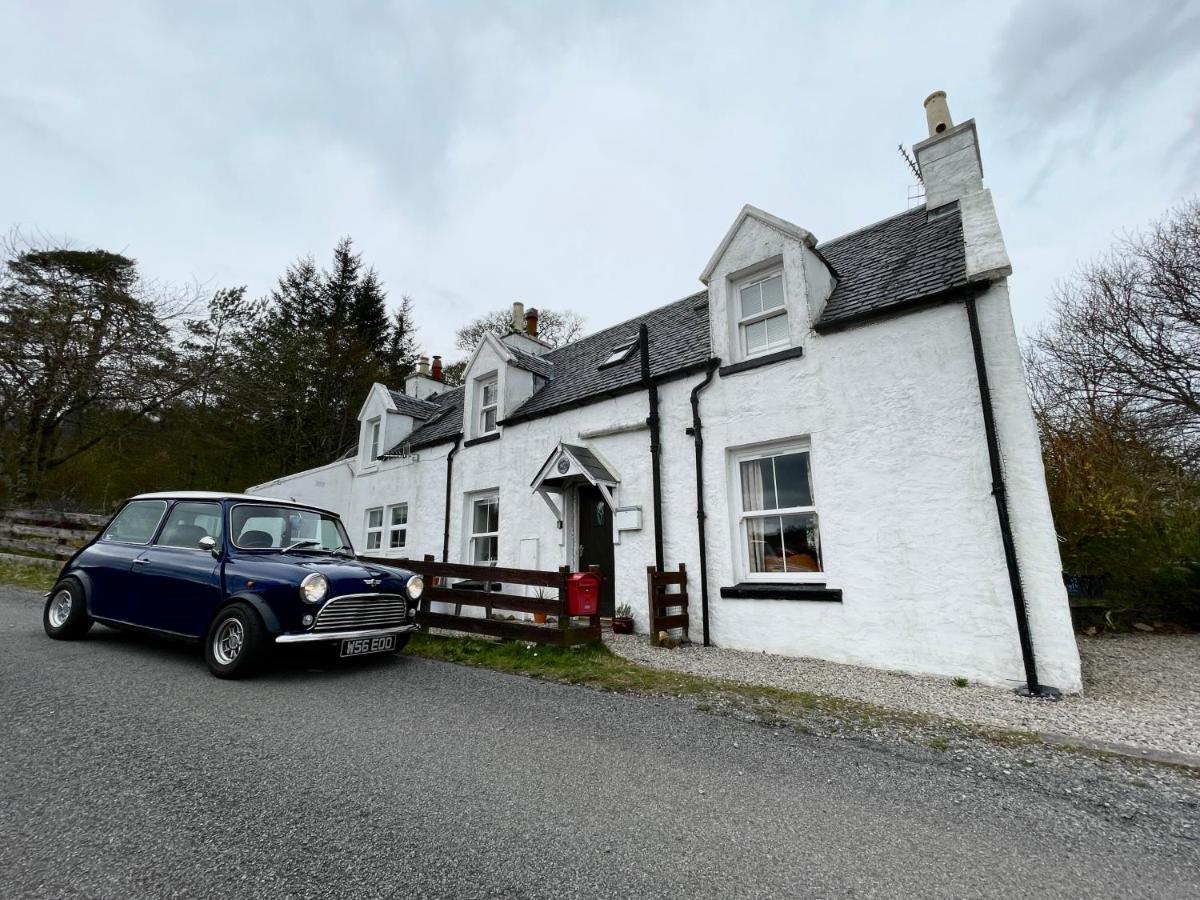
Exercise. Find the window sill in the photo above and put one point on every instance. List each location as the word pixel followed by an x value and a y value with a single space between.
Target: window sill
pixel 493 436
pixel 749 590
pixel 765 360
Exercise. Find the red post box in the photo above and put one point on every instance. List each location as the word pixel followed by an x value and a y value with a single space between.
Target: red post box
pixel 583 593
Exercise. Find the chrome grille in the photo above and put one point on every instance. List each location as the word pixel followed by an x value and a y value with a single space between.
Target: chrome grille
pixel 362 611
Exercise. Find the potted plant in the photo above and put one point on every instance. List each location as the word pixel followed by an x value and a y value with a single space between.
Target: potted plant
pixel 623 620
pixel 540 594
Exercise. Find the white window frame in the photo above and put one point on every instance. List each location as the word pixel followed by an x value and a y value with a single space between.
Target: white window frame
pixel 373 531
pixel 740 517
pixel 474 500
pixel 390 527
pixel 482 408
pixel 374 434
pixel 774 312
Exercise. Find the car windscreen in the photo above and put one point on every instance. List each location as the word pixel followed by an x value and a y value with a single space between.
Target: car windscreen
pixel 258 527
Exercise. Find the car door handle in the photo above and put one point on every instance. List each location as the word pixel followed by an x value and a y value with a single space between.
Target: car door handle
pixel 141 562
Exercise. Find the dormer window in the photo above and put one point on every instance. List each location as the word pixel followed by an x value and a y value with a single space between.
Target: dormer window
pixel 762 315
pixel 489 394
pixel 621 352
pixel 373 435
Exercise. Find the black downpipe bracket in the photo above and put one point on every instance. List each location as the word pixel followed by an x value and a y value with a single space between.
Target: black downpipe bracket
pixel 1033 687
pixel 701 516
pixel 449 479
pixel 655 443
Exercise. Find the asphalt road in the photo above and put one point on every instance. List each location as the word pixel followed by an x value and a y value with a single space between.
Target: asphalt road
pixel 128 772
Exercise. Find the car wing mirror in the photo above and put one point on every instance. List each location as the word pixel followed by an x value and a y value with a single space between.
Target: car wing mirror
pixel 209 543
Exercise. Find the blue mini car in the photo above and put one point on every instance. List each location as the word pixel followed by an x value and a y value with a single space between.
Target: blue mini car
pixel 240 573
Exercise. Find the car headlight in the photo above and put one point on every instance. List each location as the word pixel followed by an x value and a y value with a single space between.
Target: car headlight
pixel 314 587
pixel 415 587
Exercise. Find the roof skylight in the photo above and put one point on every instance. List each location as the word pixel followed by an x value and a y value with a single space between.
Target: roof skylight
pixel 620 352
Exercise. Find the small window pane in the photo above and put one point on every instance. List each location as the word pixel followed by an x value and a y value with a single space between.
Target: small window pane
pixel 751 300
pixel 765 544
pixel 485 550
pixel 489 394
pixel 372 540
pixel 400 514
pixel 487 516
pixel 800 548
pixel 758 485
pixel 375 518
pixel 489 420
pixel 397 537
pixel 772 292
pixel 136 522
pixel 777 329
pixel 756 336
pixel 792 482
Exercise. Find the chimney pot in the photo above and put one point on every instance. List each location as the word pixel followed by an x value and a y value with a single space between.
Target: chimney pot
pixel 423 366
pixel 518 316
pixel 436 372
pixel 937 113
pixel 531 322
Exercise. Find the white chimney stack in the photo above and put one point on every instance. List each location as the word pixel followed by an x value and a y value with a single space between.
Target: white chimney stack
pixel 518 317
pixel 949 160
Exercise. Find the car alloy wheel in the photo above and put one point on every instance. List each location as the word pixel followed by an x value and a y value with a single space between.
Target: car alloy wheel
pixel 227 641
pixel 60 608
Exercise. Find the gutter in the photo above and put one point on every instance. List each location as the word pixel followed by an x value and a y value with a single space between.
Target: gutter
pixel 655 442
pixel 449 478
pixel 698 439
pixel 1033 688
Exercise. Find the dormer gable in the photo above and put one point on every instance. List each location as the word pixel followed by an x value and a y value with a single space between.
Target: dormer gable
pixel 767 284
pixel 385 418
pixel 497 379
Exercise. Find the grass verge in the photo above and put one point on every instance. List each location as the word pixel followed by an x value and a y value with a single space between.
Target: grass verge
pixel 26 575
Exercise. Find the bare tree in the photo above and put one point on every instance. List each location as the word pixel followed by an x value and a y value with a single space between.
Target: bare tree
pixel 1124 341
pixel 554 327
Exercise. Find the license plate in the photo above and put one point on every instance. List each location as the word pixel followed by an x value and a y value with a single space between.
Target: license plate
pixel 359 646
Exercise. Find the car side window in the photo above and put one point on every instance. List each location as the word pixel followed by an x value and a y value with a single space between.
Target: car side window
pixel 136 522
pixel 188 523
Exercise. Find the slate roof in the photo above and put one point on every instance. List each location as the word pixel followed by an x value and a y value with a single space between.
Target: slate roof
pixel 902 262
pixel 591 462
pixel 531 363
pixel 898 262
pixel 411 406
pixel 444 425
pixel 678 334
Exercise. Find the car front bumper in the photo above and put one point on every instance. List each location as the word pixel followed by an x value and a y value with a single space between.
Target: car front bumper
pixel 309 637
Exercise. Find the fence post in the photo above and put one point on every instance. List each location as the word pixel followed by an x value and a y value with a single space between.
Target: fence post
pixel 426 606
pixel 564 620
pixel 594 618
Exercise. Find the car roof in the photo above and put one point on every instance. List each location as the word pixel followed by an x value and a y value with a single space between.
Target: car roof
pixel 218 495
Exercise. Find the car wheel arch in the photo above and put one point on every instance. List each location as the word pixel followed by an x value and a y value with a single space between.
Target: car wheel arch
pixel 269 619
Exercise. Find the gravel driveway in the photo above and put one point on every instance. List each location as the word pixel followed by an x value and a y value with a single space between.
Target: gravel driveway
pixel 1140 690
pixel 130 773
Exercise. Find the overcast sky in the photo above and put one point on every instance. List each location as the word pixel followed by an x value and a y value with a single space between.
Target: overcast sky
pixel 581 155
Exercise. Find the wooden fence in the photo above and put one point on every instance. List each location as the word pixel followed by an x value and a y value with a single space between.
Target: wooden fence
pixel 43 536
pixel 564 632
pixel 661 602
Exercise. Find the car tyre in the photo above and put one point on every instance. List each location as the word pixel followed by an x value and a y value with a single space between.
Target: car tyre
pixel 236 642
pixel 65 616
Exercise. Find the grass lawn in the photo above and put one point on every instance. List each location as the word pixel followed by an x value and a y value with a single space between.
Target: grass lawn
pixel 27 575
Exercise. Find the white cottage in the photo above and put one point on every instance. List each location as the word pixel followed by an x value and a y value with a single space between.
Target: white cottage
pixel 835 437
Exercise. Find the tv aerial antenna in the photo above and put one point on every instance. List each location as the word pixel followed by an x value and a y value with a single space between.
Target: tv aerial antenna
pixel 916 192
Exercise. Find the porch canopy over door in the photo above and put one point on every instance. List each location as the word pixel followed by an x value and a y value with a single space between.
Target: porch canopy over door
pixel 569 465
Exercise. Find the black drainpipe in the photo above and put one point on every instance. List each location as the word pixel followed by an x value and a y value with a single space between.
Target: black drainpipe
pixel 449 476
pixel 698 439
pixel 655 446
pixel 999 492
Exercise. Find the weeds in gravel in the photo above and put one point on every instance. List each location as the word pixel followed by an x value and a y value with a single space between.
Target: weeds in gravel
pixel 960 682
pixel 26 575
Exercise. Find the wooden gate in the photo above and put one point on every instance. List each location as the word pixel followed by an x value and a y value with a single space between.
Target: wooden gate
pixel 661 602
pixel 564 632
